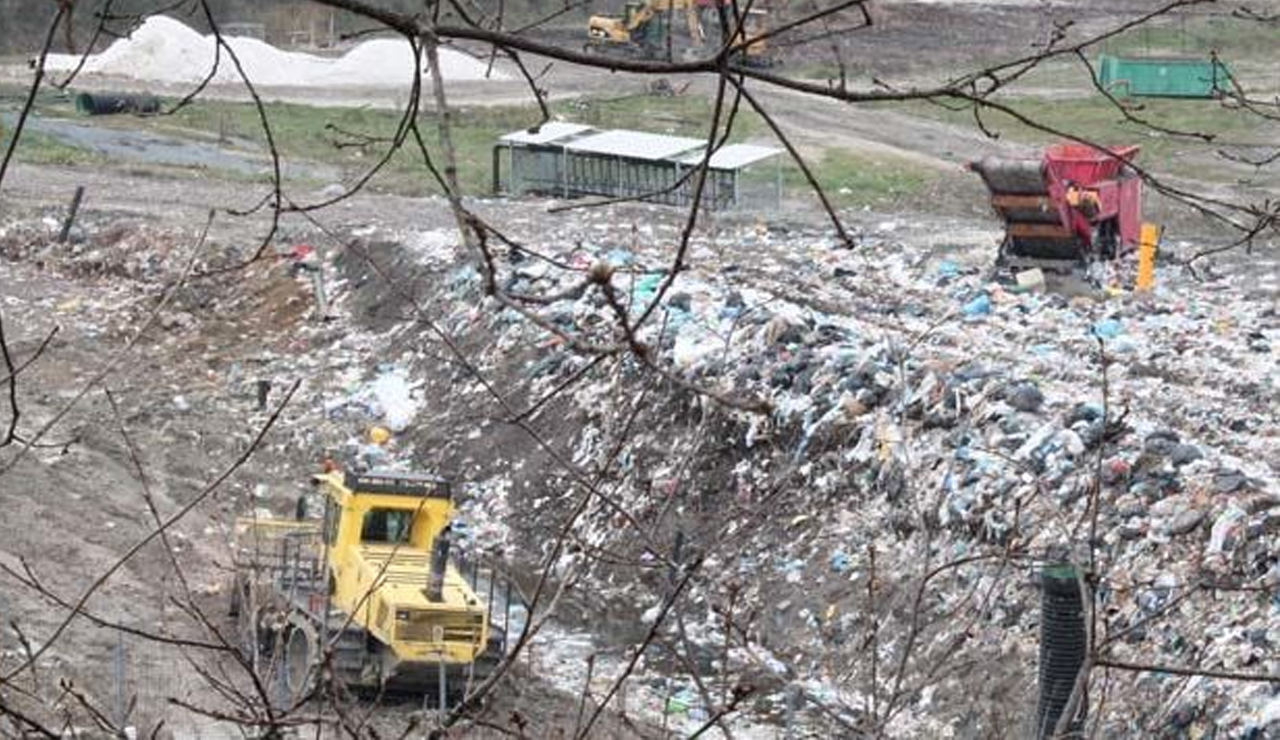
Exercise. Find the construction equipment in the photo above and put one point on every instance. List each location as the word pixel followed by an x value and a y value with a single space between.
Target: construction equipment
pixel 751 41
pixel 644 30
pixel 1074 205
pixel 367 595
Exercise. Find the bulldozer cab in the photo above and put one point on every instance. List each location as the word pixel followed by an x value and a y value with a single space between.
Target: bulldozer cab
pixel 750 41
pixel 386 526
pixel 385 509
pixel 629 13
pixel 755 22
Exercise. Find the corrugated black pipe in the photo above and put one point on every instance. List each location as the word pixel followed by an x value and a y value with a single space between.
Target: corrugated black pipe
pixel 1063 642
pixel 439 562
pixel 103 104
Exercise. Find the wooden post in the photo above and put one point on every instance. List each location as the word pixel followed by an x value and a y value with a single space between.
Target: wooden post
pixel 317 285
pixel 121 714
pixel 71 214
pixel 1147 257
pixel 264 390
pixel 444 693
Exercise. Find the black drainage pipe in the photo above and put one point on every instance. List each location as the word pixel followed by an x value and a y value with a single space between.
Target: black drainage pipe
pixel 1063 642
pixel 102 104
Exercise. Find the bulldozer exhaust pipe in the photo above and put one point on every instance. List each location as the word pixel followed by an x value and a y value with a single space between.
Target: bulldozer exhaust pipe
pixel 439 562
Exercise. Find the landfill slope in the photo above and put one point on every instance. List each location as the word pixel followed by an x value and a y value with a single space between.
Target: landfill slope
pixel 932 439
pixel 184 382
pixel 945 426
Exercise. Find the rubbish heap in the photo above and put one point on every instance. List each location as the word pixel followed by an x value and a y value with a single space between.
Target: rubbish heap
pixel 933 439
pixel 922 412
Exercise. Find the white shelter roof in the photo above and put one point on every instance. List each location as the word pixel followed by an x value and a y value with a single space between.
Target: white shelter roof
pixel 576 137
pixel 733 156
pixel 549 132
pixel 635 145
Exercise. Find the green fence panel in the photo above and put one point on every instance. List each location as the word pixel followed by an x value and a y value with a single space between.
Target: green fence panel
pixel 1171 77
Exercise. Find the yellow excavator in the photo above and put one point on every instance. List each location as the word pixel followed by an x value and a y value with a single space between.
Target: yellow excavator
pixel 643 29
pixel 366 595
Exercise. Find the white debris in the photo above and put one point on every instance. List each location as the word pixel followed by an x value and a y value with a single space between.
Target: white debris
pixel 437 246
pixel 394 396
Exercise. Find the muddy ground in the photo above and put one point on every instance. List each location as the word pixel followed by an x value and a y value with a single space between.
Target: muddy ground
pixel 182 403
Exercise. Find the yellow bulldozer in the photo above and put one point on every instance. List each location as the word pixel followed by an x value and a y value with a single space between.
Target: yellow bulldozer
pixel 366 595
pixel 645 28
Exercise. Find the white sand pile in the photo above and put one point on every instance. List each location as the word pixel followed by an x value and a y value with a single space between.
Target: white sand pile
pixel 164 50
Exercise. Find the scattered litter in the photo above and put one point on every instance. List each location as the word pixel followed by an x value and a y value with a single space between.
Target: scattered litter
pixel 1031 280
pixel 1107 329
pixel 978 306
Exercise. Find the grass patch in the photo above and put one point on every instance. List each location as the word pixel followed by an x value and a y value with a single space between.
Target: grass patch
pixel 1232 38
pixel 41 148
pixel 1096 119
pixel 852 180
pixel 352 139
pixel 680 115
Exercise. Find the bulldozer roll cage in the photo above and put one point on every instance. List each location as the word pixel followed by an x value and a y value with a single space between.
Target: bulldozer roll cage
pixel 399 484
